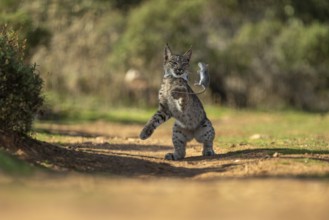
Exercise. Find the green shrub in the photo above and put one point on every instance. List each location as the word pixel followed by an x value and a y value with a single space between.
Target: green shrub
pixel 275 63
pixel 152 25
pixel 20 85
pixel 302 55
pixel 299 44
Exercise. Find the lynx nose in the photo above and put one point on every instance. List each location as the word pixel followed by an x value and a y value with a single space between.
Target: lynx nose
pixel 180 71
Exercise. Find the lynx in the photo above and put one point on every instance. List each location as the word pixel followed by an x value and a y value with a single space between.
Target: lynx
pixel 177 100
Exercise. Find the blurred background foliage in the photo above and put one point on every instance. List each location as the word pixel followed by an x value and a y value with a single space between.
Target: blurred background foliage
pixel 269 54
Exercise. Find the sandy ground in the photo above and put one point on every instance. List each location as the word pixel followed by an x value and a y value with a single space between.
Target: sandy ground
pixel 103 171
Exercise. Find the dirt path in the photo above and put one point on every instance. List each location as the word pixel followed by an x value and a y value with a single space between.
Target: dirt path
pixel 115 149
pixel 106 172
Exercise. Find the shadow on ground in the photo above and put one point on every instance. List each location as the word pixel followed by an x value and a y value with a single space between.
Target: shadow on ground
pixel 264 153
pixel 121 147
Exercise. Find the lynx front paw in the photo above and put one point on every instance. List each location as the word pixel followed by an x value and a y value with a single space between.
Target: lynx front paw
pixel 145 133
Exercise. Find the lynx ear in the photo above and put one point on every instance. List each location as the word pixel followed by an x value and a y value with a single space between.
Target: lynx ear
pixel 167 52
pixel 188 54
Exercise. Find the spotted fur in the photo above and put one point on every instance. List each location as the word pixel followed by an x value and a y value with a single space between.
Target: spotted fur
pixel 176 99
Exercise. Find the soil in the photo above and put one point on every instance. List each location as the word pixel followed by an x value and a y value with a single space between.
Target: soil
pixel 102 170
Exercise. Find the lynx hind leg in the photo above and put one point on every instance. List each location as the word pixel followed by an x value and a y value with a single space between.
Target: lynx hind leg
pixel 179 138
pixel 206 135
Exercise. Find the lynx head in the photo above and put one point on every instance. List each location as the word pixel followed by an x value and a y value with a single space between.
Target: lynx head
pixel 176 65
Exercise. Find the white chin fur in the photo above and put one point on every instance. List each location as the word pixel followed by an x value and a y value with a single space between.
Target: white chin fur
pixel 184 75
pixel 172 73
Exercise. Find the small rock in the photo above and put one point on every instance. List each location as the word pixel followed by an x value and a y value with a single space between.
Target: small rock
pixel 276 154
pixel 19 152
pixel 99 140
pixel 131 139
pixel 255 136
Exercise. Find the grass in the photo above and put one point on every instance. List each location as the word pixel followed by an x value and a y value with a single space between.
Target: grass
pixel 281 129
pixel 11 165
pixel 119 115
pixel 126 115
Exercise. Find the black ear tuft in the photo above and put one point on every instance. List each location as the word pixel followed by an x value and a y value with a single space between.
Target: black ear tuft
pixel 167 52
pixel 188 54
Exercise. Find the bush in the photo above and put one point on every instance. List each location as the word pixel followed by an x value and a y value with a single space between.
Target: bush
pixel 20 85
pixel 152 25
pixel 302 53
pixel 275 63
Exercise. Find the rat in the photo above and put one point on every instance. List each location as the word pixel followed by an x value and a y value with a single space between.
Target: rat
pixel 204 78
